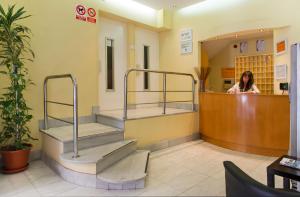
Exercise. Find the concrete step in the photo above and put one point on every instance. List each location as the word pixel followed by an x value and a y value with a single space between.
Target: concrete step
pixel 128 173
pixel 110 120
pixel 102 156
pixel 90 135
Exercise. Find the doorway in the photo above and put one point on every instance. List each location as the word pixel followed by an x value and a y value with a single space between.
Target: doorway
pixel 113 57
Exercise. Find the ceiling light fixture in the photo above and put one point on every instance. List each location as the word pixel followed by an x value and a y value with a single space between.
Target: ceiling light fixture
pixel 173 6
pixel 209 5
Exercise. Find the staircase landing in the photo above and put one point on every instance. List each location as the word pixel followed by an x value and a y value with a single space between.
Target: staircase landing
pixel 145 112
pixel 65 133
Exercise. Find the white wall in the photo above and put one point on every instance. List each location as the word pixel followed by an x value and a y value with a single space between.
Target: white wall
pixel 118 32
pixel 145 37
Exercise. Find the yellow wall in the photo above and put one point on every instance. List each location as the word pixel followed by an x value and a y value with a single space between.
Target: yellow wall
pixel 218 17
pixel 63 44
pixel 166 128
pixel 279 35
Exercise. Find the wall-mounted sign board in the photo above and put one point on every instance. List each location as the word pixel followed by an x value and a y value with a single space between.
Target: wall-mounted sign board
pixel 281 47
pixel 186 41
pixel 186 47
pixel 86 14
pixel 281 72
pixel 186 35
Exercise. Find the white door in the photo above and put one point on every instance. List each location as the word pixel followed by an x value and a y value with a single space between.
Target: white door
pixel 113 60
pixel 150 40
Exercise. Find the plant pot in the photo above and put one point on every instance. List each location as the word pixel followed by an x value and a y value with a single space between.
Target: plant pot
pixel 15 160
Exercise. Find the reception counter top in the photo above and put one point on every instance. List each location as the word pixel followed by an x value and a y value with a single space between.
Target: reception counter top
pixel 258 124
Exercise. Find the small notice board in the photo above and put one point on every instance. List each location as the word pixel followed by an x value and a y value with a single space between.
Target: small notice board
pixel 186 41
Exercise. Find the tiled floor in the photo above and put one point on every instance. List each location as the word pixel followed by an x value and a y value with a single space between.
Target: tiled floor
pixel 142 112
pixel 190 169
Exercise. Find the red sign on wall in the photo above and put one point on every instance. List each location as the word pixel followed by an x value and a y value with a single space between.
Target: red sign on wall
pixel 86 14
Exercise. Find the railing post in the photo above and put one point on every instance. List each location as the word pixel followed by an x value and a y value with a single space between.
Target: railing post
pixel 75 119
pixel 125 95
pixel 45 106
pixel 193 92
pixel 164 92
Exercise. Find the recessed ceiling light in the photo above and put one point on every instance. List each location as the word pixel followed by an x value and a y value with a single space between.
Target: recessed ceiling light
pixel 173 6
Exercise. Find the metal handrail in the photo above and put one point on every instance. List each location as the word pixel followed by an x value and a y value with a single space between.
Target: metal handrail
pixel 164 91
pixel 74 105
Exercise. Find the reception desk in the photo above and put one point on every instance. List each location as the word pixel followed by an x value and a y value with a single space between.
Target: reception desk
pixel 258 124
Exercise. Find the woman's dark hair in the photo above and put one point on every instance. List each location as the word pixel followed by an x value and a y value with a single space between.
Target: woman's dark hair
pixel 248 86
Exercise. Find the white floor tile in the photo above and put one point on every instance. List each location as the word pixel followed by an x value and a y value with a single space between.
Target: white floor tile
pixel 190 169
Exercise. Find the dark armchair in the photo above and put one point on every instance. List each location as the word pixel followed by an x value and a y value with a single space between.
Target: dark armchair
pixel 239 183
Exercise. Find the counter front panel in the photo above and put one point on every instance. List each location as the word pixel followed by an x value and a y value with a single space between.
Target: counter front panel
pixel 258 124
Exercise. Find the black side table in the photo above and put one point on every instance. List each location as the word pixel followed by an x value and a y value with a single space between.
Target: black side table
pixel 286 172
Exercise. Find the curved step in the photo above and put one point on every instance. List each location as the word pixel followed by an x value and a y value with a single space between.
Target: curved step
pixel 101 156
pixel 128 173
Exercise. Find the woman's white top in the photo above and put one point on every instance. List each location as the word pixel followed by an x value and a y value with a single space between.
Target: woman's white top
pixel 236 89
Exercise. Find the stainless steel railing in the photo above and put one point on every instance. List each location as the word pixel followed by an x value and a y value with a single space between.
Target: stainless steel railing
pixel 164 91
pixel 74 105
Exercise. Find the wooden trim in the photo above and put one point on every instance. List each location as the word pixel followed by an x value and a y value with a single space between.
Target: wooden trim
pixel 245 148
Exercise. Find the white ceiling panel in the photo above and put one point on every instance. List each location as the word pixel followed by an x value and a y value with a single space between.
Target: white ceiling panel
pixel 160 4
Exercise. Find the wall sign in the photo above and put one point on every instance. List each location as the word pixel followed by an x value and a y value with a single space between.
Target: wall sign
pixel 281 47
pixel 244 47
pixel 281 72
pixel 186 47
pixel 260 45
pixel 186 41
pixel 86 14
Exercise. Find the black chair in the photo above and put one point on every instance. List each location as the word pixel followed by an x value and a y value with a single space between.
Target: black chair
pixel 238 183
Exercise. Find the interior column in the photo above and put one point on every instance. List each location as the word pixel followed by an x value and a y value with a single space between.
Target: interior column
pixel 131 63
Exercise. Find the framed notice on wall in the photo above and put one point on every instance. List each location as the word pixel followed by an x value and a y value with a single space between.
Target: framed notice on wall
pixel 243 47
pixel 281 47
pixel 260 45
pixel 186 47
pixel 186 41
pixel 186 35
pixel 281 72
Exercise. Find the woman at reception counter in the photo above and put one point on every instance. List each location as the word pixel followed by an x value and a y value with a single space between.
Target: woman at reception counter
pixel 244 120
pixel 246 85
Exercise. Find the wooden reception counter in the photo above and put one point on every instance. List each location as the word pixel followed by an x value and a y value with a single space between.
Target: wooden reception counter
pixel 256 124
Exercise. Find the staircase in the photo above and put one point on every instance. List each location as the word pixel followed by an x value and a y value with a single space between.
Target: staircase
pixel 105 161
pixel 91 154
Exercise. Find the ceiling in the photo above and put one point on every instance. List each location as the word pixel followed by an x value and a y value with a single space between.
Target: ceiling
pixel 168 4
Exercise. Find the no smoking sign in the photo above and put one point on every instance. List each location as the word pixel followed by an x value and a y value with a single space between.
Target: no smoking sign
pixel 86 14
pixel 91 12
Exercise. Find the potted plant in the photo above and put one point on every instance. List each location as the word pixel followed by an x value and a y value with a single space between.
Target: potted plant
pixel 15 114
